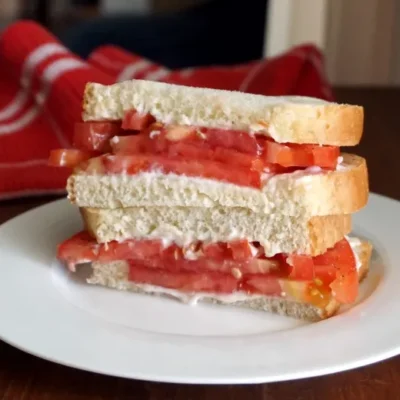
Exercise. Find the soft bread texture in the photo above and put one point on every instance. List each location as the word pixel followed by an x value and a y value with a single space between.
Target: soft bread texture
pixel 115 275
pixel 185 225
pixel 291 119
pixel 300 193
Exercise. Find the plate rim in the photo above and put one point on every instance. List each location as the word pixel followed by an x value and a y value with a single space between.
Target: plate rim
pixel 307 373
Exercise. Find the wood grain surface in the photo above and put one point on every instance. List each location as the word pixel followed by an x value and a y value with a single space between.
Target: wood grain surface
pixel 25 377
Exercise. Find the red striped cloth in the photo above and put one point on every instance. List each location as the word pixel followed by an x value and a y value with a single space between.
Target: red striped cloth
pixel 299 71
pixel 42 86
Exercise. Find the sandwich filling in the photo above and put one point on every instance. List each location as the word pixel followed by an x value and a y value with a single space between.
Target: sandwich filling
pixel 237 267
pixel 140 144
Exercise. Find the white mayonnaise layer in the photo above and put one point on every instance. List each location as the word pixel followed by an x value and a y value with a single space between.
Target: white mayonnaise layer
pixel 194 298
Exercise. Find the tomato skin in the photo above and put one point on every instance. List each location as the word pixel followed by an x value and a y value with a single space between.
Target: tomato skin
pixel 136 121
pixel 95 136
pixel 69 158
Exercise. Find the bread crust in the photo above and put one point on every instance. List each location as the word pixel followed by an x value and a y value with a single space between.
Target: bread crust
pixel 292 119
pixel 343 191
pixel 278 305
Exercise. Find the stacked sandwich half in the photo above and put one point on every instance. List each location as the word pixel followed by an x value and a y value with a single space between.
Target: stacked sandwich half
pixel 213 196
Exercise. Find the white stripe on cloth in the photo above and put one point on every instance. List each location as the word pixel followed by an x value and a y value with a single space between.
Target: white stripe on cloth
pixel 32 61
pixel 106 62
pixel 251 75
pixel 50 74
pixel 132 69
pixel 158 74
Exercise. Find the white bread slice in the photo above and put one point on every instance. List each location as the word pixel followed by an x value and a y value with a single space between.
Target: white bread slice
pixel 301 193
pixel 115 275
pixel 291 119
pixel 185 225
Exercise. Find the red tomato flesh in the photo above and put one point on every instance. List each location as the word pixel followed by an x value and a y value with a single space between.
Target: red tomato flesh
pixel 78 249
pixel 95 136
pixel 299 276
pixel 241 250
pixel 185 281
pixel 301 155
pixel 136 121
pixel 302 267
pixel 345 288
pixel 267 285
pixel 340 259
pixel 69 158
pixel 83 248
pixel 131 165
pixel 233 147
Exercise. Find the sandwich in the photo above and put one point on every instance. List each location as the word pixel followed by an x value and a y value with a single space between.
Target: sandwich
pixel 206 195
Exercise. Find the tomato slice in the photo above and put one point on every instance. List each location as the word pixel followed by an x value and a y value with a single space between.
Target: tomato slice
pixel 325 273
pixel 231 139
pixel 130 249
pixel 297 276
pixel 226 156
pixel 297 290
pixel 136 121
pixel 177 133
pixel 133 164
pixel 76 250
pixel 216 251
pixel 345 288
pixel 184 281
pixel 301 155
pixel 241 250
pixel 82 248
pixel 340 257
pixel 69 158
pixel 132 144
pixel 240 141
pixel 142 143
pixel 337 267
pixel 302 267
pixel 263 284
pixel 95 136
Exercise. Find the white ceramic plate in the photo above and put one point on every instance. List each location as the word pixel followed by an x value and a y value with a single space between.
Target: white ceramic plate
pixel 54 315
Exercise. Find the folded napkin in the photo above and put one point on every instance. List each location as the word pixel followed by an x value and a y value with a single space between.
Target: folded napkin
pixel 43 82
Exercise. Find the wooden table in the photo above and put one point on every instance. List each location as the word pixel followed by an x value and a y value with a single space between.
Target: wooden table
pixel 25 377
